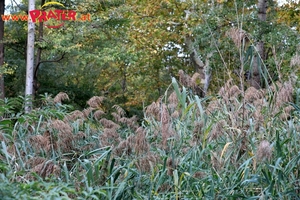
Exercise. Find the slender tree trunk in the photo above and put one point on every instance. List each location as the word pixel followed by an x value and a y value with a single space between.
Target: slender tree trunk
pixel 200 67
pixel 38 56
pixel 29 61
pixel 256 78
pixel 2 89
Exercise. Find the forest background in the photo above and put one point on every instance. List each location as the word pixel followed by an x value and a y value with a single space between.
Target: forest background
pixel 129 50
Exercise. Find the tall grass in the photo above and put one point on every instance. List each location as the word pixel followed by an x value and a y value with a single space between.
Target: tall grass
pixel 232 146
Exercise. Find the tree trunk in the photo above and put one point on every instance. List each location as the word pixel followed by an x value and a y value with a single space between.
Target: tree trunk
pixel 29 61
pixel 199 66
pixel 2 89
pixel 256 78
pixel 38 56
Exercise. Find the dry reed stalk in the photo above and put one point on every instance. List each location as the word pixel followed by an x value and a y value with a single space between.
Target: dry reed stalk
pixel 43 142
pixel 73 116
pixel 295 60
pixel 166 187
pixel 126 146
pixel 35 161
pixel 213 106
pixel 238 36
pixel 153 110
pixel 110 137
pixel 217 130
pixel 252 94
pixel 198 130
pixel 121 112
pixel 166 129
pixel 109 124
pixel 98 114
pixel 258 119
pixel 47 169
pixel 147 162
pixel 171 165
pixel 175 114
pixel 264 151
pixel 199 175
pixel 234 92
pixel 2 138
pixel 216 163
pixel 87 111
pixel 285 94
pixel 116 116
pixel 80 136
pixel 65 135
pixel 286 113
pixel 60 97
pixel 96 101
pixel 130 122
pixel 141 144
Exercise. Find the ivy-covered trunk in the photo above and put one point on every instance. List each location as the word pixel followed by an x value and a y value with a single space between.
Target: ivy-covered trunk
pixel 257 68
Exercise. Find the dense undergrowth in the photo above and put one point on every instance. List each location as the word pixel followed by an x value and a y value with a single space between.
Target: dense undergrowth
pixel 237 145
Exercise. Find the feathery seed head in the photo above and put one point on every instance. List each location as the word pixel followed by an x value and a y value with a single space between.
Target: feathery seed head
pixel 264 151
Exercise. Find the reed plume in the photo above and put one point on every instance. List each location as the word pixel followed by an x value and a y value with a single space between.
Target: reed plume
pixel 60 97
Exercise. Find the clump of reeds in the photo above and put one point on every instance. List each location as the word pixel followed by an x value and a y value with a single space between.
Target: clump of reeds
pixel 295 60
pixel 87 111
pixel 173 101
pixel 65 136
pixel 215 161
pixel 126 146
pixel 198 130
pixel 141 144
pixel 252 94
pixel 47 168
pixel 153 110
pixel 171 164
pixel 284 94
pixel 96 101
pixel 109 124
pixel 218 129
pixel 109 137
pixel 264 151
pixel 213 106
pixel 166 128
pixel 43 143
pixel 130 122
pixel 75 115
pixel 1 136
pixel 98 114
pixel 60 97
pixel 147 162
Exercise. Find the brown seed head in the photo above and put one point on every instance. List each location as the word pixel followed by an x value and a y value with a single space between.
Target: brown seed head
pixel 98 114
pixel 60 97
pixel 264 151
pixel 95 102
